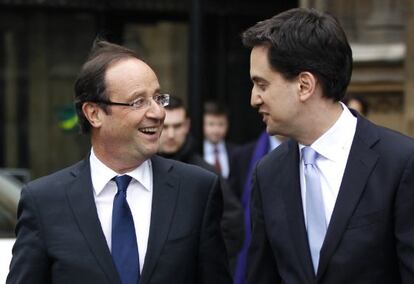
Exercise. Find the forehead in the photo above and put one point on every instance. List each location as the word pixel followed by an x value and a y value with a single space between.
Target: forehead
pixel 215 117
pixel 259 63
pixel 174 116
pixel 260 69
pixel 131 75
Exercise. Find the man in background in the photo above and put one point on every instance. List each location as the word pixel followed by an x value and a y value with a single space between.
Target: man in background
pixel 244 160
pixel 357 103
pixel 177 143
pixel 216 150
pixel 122 215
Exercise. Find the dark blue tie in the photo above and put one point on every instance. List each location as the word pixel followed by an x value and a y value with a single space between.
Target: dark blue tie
pixel 124 241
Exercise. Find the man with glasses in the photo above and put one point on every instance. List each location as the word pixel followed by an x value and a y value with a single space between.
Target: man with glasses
pixel 122 215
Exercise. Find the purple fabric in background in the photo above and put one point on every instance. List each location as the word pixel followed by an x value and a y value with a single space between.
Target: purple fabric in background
pixel 262 148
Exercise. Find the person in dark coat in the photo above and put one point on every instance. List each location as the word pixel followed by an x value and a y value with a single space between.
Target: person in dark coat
pixel 334 203
pixel 217 150
pixel 176 143
pixel 123 215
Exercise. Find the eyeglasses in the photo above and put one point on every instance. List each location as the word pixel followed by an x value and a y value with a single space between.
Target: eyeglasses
pixel 140 102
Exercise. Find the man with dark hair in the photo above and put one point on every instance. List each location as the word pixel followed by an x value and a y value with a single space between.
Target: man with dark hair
pixel 216 150
pixel 334 203
pixel 122 215
pixel 176 143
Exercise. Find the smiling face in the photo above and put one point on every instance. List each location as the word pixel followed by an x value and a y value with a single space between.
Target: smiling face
pixel 276 98
pixel 124 135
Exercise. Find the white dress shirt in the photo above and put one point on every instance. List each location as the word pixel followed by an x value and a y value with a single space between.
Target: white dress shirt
pixel 333 147
pixel 139 197
pixel 274 143
pixel 210 158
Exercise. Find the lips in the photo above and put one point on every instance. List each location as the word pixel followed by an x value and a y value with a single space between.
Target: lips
pixel 264 116
pixel 148 130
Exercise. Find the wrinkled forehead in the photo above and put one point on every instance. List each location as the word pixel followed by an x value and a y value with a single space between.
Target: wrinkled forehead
pixel 131 75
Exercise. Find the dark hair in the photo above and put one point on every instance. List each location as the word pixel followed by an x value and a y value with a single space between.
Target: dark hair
pixel 90 83
pixel 306 40
pixel 175 103
pixel 363 102
pixel 215 108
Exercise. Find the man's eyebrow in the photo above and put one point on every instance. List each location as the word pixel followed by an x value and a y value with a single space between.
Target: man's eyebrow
pixel 257 79
pixel 141 93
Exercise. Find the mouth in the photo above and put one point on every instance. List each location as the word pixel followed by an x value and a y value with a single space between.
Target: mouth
pixel 264 116
pixel 148 130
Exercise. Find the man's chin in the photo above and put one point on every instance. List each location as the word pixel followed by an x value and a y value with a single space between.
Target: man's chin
pixel 169 151
pixel 271 131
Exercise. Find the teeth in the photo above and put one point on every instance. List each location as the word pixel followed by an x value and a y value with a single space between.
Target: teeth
pixel 149 129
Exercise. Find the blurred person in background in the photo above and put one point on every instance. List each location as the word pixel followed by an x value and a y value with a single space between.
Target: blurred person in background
pixel 122 215
pixel 244 160
pixel 176 143
pixel 357 103
pixel 216 150
pixel 333 204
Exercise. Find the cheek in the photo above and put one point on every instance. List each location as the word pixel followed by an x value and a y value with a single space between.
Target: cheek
pixel 207 129
pixel 223 128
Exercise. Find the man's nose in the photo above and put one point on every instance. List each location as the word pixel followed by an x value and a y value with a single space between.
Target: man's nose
pixel 169 131
pixel 155 111
pixel 255 99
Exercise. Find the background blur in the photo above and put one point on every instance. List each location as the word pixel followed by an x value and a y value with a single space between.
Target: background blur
pixel 195 48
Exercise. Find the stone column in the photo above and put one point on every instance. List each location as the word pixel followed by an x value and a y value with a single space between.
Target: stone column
pixel 409 70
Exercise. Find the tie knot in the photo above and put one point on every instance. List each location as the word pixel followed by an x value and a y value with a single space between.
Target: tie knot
pixel 216 149
pixel 309 155
pixel 122 182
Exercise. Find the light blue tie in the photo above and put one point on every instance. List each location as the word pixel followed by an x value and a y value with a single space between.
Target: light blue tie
pixel 315 209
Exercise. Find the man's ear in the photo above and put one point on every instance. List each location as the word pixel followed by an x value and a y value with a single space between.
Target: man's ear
pixel 93 114
pixel 307 85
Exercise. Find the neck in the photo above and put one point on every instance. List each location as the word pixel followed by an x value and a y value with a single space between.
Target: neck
pixel 321 117
pixel 118 162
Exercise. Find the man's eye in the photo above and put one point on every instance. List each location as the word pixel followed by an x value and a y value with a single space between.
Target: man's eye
pixel 139 102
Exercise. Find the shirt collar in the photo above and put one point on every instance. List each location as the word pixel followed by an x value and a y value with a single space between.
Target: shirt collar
pixel 338 138
pixel 102 174
pixel 209 147
pixel 274 142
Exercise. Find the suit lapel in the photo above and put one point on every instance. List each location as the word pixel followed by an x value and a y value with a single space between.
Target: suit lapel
pixel 80 196
pixel 360 164
pixel 165 192
pixel 289 183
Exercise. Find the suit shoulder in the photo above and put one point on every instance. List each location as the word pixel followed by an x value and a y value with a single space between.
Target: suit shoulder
pixel 188 170
pixel 276 154
pixel 384 139
pixel 56 178
pixel 397 139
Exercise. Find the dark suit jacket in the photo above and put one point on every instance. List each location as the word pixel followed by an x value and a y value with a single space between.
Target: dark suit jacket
pixel 231 148
pixel 370 238
pixel 240 160
pixel 60 240
pixel 232 218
